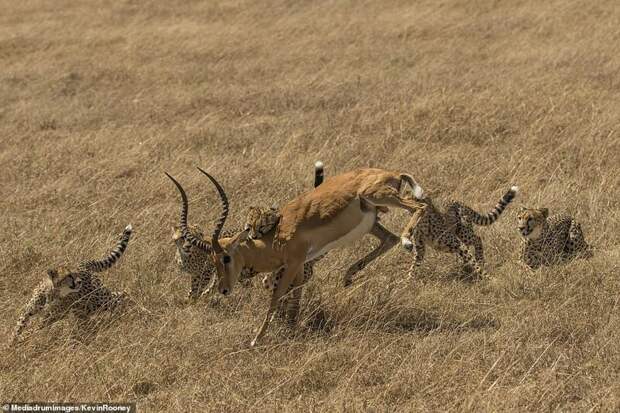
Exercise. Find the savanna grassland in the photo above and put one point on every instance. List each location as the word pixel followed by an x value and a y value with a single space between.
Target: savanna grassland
pixel 99 98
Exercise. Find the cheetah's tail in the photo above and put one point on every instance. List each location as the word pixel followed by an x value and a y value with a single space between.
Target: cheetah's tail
pixel 113 256
pixel 493 215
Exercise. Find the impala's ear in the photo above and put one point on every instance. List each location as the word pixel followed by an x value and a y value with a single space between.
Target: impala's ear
pixel 545 212
pixel 239 238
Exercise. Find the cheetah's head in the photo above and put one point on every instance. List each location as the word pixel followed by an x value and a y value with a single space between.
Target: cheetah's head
pixel 177 234
pixel 179 241
pixel 252 221
pixel 64 281
pixel 531 222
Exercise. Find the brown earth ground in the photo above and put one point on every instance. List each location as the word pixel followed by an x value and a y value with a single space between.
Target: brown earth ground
pixel 99 98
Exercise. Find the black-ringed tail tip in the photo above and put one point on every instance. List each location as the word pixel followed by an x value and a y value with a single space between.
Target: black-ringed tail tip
pixel 318 165
pixel 129 228
pixel 514 189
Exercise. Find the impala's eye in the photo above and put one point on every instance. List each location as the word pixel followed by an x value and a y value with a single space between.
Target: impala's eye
pixel 225 259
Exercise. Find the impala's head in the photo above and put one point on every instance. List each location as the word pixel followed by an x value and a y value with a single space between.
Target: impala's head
pixel 64 281
pixel 531 222
pixel 228 261
pixel 225 255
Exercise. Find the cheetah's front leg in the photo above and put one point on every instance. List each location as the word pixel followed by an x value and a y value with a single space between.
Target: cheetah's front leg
pixel 418 249
pixel 478 250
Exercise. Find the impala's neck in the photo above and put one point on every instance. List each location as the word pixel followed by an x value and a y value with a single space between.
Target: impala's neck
pixel 259 255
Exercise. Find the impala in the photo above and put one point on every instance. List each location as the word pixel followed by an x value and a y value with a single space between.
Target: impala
pixel 335 214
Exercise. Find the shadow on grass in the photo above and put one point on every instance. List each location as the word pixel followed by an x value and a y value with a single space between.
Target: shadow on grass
pixel 424 322
pixel 321 320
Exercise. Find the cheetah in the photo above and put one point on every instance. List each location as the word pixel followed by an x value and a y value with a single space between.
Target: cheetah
pixel 77 290
pixel 550 240
pixel 259 222
pixel 452 231
pixel 198 264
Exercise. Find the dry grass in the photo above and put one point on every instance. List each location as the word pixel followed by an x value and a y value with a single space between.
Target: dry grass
pixel 99 98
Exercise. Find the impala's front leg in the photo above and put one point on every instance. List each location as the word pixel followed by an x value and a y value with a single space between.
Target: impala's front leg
pixel 289 275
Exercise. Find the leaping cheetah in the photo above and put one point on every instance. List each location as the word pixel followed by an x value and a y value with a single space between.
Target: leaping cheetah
pixel 452 230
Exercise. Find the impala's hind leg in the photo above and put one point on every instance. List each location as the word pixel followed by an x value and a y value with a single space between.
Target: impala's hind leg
pixel 388 240
pixel 390 197
pixel 410 228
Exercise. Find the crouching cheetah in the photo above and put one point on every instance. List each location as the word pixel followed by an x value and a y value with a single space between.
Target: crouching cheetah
pixel 197 263
pixel 550 240
pixel 77 290
pixel 451 231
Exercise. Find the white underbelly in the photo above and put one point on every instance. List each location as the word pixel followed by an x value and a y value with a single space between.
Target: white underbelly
pixel 350 237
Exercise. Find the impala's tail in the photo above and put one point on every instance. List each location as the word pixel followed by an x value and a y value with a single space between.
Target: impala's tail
pixel 493 215
pixel 114 255
pixel 319 173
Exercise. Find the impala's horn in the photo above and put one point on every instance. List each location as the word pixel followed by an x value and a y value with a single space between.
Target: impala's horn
pixel 222 219
pixel 183 222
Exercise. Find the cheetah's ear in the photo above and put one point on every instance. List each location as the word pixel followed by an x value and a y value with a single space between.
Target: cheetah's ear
pixel 545 212
pixel 52 273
